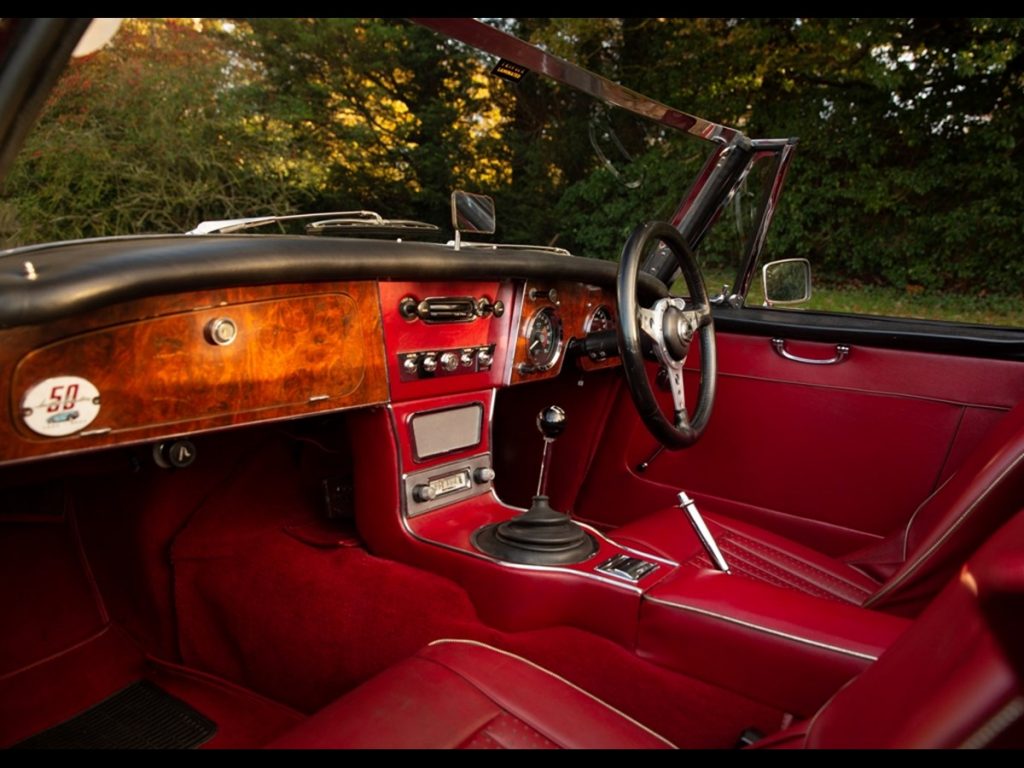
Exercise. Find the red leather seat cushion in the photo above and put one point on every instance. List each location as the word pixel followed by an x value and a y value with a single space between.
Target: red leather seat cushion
pixel 463 694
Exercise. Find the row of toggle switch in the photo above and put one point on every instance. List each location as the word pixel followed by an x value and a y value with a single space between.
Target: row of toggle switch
pixel 445 362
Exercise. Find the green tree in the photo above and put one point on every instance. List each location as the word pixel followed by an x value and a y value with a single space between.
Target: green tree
pixel 147 135
pixel 379 105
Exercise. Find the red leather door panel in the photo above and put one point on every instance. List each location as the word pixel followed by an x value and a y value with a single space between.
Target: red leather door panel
pixel 830 455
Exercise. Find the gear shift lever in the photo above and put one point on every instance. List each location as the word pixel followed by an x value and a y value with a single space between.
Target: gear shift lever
pixel 550 423
pixel 541 535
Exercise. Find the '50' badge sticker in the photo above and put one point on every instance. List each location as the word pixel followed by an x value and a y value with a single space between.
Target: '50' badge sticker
pixel 60 406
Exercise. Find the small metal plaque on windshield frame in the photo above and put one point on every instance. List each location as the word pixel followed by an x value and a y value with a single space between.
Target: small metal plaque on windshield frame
pixel 509 70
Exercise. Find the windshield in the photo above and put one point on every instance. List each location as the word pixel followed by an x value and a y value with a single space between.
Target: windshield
pixel 177 121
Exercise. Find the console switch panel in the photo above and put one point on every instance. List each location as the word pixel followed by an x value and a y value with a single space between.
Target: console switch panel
pixel 429 364
pixel 626 567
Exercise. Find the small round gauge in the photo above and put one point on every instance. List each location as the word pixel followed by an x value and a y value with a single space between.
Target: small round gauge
pixel 544 339
pixel 600 320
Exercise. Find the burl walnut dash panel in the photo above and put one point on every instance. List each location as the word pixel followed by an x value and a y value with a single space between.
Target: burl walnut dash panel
pixel 576 303
pixel 312 349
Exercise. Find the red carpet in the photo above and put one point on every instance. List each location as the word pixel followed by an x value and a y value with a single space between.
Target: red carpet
pixel 302 624
pixel 227 591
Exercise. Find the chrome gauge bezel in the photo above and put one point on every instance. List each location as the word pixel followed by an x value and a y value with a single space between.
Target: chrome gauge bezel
pixel 559 339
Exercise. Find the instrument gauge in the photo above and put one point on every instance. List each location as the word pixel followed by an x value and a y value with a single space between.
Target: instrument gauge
pixel 544 339
pixel 600 319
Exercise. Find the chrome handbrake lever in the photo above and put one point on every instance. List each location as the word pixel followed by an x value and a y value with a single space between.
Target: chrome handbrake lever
pixel 701 529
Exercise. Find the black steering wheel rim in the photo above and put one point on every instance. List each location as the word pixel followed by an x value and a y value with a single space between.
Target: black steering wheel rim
pixel 670 324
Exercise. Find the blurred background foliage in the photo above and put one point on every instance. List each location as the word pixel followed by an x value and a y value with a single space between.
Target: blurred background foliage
pixel 909 173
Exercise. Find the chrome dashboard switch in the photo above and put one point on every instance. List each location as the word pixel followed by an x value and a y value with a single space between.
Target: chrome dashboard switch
pixel 449 361
pixel 410 365
pixel 626 567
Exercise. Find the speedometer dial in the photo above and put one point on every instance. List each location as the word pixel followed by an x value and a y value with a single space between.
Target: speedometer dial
pixel 544 339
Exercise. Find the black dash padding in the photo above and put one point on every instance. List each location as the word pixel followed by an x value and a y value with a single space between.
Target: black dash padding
pixel 141 716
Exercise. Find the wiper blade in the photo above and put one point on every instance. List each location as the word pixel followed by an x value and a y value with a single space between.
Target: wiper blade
pixel 225 226
pixel 369 223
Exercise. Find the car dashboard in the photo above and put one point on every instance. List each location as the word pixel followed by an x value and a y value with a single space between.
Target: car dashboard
pixel 112 343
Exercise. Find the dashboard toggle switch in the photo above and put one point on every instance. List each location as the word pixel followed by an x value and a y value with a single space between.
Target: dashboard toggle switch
pixel 436 363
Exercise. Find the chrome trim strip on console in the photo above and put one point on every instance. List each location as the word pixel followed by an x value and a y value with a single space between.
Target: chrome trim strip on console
pixel 766 630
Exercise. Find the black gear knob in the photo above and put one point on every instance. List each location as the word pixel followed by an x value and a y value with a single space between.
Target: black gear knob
pixel 551 422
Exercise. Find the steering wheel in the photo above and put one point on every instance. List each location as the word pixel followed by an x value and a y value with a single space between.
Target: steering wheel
pixel 670 324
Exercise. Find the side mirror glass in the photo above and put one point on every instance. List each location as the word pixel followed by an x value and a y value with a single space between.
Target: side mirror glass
pixel 787 281
pixel 473 213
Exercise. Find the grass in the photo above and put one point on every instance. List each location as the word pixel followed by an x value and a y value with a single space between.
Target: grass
pixel 1004 310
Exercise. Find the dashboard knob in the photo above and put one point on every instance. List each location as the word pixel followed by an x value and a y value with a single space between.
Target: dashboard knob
pixel 429 363
pixel 407 308
pixel 410 366
pixel 449 361
pixel 424 492
pixel 177 453
pixel 484 358
pixel 483 474
pixel 221 331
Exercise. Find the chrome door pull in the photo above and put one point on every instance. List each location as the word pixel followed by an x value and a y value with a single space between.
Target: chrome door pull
pixel 842 352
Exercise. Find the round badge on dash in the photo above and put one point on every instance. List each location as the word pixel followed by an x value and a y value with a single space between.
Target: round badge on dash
pixel 60 406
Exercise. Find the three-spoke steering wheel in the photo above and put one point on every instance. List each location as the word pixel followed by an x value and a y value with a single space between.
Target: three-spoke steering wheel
pixel 670 325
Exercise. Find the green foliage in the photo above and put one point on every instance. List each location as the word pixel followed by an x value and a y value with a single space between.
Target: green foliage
pixel 145 136
pixel 909 172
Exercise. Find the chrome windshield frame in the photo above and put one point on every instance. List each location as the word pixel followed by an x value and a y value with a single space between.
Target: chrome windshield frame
pixel 486 38
pixel 718 180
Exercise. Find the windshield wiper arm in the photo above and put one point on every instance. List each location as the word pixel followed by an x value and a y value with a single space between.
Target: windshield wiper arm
pixel 225 226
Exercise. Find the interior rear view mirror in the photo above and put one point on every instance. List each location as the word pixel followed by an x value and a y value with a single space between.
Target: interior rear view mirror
pixel 787 281
pixel 472 213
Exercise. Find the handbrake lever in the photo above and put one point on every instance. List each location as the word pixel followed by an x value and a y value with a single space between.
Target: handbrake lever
pixel 701 529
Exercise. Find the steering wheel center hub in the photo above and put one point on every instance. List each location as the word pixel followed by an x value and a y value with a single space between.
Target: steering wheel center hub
pixel 678 333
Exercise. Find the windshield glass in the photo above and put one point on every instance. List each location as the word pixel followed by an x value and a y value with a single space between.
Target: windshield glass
pixel 177 121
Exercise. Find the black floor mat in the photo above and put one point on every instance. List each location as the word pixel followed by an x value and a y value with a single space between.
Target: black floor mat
pixel 141 716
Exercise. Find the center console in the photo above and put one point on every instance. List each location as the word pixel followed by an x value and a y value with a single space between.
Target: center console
pixel 431 502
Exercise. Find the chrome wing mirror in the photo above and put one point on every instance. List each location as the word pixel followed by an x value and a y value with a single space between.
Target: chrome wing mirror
pixel 787 281
pixel 473 214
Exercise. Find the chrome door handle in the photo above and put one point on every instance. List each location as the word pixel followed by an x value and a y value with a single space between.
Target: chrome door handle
pixel 842 352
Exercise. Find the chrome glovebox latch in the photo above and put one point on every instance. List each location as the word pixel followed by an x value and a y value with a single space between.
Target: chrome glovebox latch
pixel 626 567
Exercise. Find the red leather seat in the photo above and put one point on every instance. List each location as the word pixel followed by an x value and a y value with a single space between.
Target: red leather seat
pixel 463 694
pixel 953 679
pixel 898 574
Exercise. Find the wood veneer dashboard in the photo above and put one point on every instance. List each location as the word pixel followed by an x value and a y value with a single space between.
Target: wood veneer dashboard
pixel 574 309
pixel 299 349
